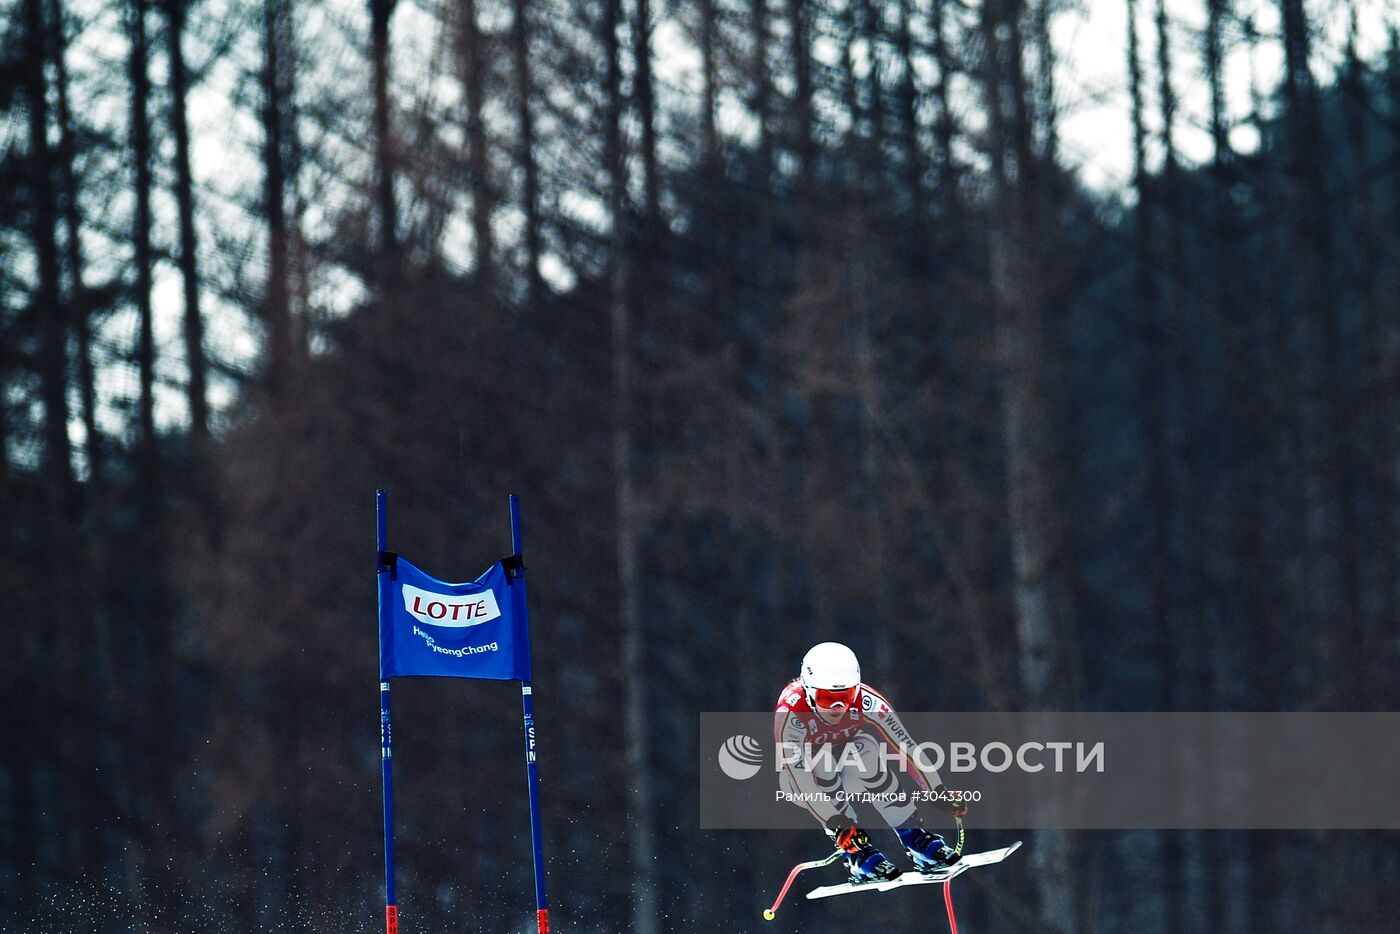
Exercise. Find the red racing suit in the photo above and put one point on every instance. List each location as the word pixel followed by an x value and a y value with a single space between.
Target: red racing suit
pixel 871 716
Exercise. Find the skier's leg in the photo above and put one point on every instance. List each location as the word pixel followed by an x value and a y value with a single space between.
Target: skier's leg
pixel 814 786
pixel 878 782
pixel 928 850
pixel 864 861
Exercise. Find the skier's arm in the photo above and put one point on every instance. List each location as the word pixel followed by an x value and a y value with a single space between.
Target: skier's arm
pixel 790 736
pixel 882 717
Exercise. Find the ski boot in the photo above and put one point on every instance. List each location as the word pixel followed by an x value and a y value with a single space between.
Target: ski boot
pixel 927 849
pixel 864 862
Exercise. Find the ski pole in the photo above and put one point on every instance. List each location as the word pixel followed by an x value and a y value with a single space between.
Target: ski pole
pixel 770 913
pixel 948 883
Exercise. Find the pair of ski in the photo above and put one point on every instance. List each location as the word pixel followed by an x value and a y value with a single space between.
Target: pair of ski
pixel 968 861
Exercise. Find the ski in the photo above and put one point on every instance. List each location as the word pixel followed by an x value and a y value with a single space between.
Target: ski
pixel 969 861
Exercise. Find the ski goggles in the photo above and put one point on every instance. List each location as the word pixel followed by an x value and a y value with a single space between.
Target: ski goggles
pixel 835 700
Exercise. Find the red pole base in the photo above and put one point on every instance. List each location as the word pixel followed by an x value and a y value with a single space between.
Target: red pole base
pixel 948 900
pixel 391 919
pixel 542 918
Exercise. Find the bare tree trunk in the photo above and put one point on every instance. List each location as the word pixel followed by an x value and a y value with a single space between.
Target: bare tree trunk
pixel 761 81
pixel 1329 529
pixel 874 481
pixel 1278 476
pixel 1046 110
pixel 945 128
pixel 1171 166
pixel 644 92
pixel 866 138
pixel 1273 877
pixel 197 390
pixel 718 218
pixel 642 839
pixel 57 456
pixel 915 163
pixel 1368 438
pixel 872 30
pixel 530 194
pixel 1240 500
pixel 1020 341
pixel 709 93
pixel 1374 433
pixel 79 304
pixel 299 253
pixel 1390 358
pixel 1167 339
pixel 385 148
pixel 1154 373
pixel 1039 592
pixel 6 366
pixel 277 303
pixel 141 237
pixel 89 611
pixel 800 53
pixel 761 359
pixel 156 785
pixel 1182 452
pixel 479 156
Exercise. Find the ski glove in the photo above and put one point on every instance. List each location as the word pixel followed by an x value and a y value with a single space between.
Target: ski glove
pixel 954 802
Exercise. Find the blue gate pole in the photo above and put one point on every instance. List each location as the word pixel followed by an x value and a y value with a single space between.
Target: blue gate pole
pixel 527 702
pixel 386 744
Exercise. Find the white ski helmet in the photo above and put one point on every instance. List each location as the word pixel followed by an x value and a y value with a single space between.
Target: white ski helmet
pixel 830 676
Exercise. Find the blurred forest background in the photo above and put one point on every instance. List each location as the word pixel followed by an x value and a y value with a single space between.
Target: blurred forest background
pixel 789 320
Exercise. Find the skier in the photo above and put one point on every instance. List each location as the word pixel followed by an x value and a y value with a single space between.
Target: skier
pixel 828 706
